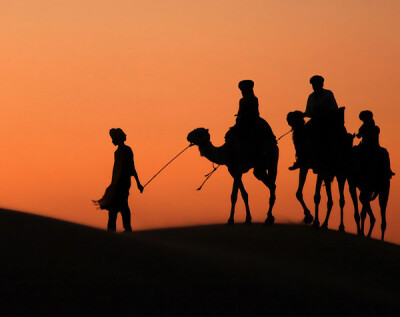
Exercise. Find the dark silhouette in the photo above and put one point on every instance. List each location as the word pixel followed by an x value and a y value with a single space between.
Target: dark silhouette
pixel 322 144
pixel 52 266
pixel 333 162
pixel 369 148
pixel 115 198
pixel 301 140
pixel 366 166
pixel 250 143
pixel 321 106
pixel 370 173
pixel 249 124
pixel 369 132
pixel 248 105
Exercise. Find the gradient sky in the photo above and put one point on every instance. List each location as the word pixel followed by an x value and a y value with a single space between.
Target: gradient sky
pixel 71 70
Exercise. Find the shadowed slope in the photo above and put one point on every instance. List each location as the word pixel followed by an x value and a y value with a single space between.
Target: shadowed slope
pixel 51 266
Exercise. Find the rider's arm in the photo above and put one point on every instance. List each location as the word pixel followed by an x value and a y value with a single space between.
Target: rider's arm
pixel 133 171
pixel 309 108
pixel 332 101
pixel 136 176
pixel 117 169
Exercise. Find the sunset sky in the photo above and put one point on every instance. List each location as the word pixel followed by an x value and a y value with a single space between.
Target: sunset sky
pixel 73 69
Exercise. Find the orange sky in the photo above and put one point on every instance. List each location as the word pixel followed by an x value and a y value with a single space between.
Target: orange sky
pixel 71 70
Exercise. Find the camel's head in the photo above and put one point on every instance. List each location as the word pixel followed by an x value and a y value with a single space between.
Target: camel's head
pixel 199 136
pixel 295 119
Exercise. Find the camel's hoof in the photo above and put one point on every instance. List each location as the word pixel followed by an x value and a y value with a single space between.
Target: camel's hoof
pixel 324 225
pixel 315 224
pixel 308 218
pixel 248 221
pixel 270 220
pixel 231 221
pixel 341 228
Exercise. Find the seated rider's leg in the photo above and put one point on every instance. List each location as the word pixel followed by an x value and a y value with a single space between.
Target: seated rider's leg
pixel 384 154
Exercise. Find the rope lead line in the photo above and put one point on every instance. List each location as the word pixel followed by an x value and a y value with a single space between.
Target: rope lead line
pixel 208 176
pixel 284 135
pixel 168 164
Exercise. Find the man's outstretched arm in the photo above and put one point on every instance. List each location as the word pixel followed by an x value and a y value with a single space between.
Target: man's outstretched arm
pixel 136 176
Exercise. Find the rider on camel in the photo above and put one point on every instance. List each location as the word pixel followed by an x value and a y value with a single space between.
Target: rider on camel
pixel 369 147
pixel 321 105
pixel 369 132
pixel 248 118
pixel 248 105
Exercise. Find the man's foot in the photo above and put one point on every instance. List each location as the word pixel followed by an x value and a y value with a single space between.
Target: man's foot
pixel 128 230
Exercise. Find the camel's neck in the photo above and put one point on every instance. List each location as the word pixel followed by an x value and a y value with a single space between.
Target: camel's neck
pixel 216 155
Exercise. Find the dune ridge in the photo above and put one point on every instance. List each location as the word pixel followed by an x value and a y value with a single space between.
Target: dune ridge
pixel 54 267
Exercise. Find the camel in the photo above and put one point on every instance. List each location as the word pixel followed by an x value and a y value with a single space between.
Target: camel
pixel 240 154
pixel 334 166
pixel 371 176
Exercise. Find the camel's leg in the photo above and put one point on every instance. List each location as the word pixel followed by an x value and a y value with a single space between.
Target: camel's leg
pixel 354 198
pixel 317 200
pixel 341 182
pixel 234 195
pixel 383 199
pixel 363 215
pixel 272 197
pixel 245 197
pixel 365 198
pixel 269 180
pixel 272 173
pixel 371 220
pixel 262 175
pixel 328 188
pixel 308 218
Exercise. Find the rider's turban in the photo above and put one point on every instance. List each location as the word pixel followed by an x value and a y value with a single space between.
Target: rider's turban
pixel 246 84
pixel 316 79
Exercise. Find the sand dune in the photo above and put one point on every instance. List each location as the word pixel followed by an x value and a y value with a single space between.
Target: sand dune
pixel 55 267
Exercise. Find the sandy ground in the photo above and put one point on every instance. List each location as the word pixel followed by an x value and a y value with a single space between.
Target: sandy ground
pixel 54 267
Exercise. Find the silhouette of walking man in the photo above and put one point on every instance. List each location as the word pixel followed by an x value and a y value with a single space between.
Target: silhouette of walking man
pixel 115 198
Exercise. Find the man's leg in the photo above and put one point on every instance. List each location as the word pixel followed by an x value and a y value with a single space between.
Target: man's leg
pixel 112 220
pixel 126 217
